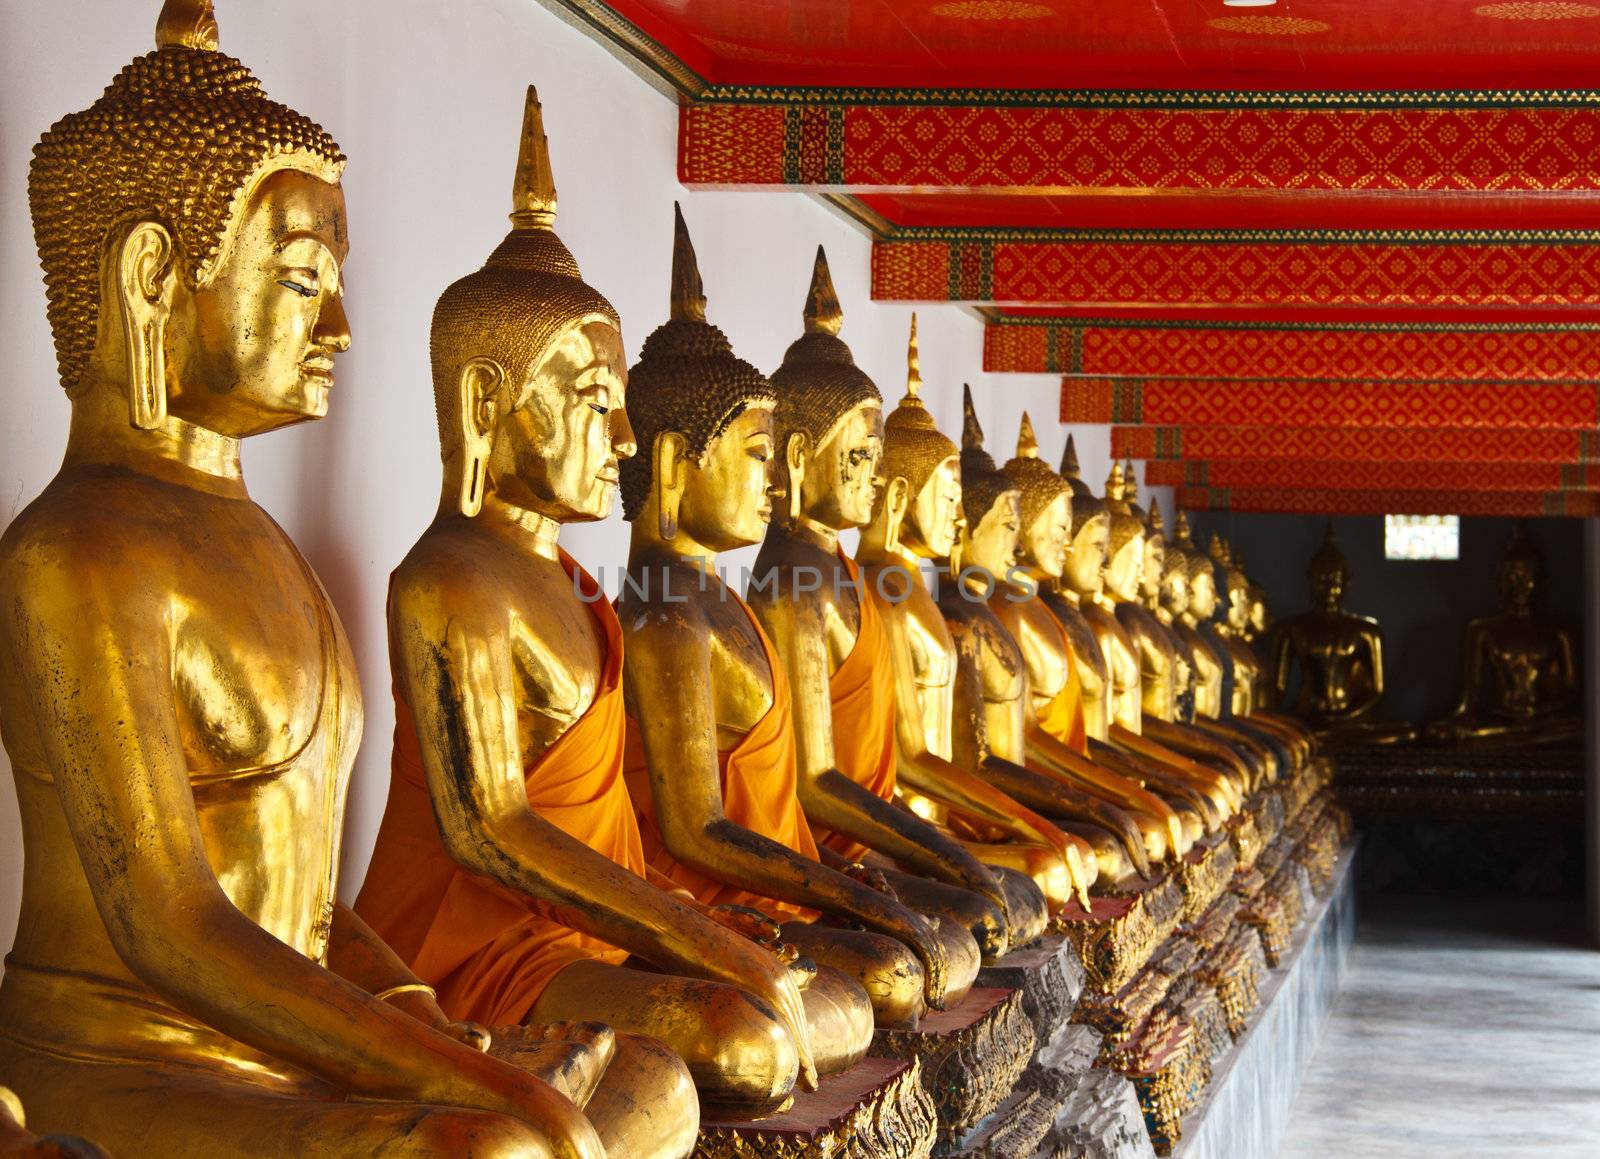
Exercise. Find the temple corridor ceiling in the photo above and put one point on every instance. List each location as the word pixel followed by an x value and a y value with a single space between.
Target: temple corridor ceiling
pixel 1352 232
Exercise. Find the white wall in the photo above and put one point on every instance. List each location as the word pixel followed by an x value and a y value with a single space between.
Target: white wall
pixel 426 98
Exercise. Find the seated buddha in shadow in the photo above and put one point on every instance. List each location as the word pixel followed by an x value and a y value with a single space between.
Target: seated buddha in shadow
pixel 1519 676
pixel 177 696
pixel 1338 657
pixel 508 870
pixel 810 599
pixel 710 761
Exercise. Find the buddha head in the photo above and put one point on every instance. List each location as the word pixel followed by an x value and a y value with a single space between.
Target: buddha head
pixel 990 501
pixel 1091 530
pixel 1520 574
pixel 529 376
pixel 1202 586
pixel 703 419
pixel 192 233
pixel 1125 541
pixel 1235 587
pixel 919 507
pixel 1174 591
pixel 1328 573
pixel 1045 509
pixel 1260 616
pixel 1155 557
pixel 829 418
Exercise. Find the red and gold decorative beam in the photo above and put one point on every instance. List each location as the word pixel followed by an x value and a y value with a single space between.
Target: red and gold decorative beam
pixel 1230 268
pixel 1294 474
pixel 1210 402
pixel 1344 445
pixel 1370 351
pixel 1045 142
pixel 1486 503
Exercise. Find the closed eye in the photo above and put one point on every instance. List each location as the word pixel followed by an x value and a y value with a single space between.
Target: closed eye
pixel 303 291
pixel 598 409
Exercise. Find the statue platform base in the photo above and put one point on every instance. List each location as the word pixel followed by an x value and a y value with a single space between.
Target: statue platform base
pixel 972 1056
pixel 1049 977
pixel 878 1109
pixel 1117 935
pixel 1204 875
pixel 1246 1110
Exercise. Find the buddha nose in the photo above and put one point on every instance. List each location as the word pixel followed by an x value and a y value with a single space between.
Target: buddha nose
pixel 624 443
pixel 333 326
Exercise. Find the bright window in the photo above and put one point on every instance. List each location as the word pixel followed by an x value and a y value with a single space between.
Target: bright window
pixel 1422 536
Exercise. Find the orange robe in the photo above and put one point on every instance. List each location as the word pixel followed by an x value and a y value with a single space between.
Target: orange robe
pixel 1062 717
pixel 862 695
pixel 758 792
pixel 487 949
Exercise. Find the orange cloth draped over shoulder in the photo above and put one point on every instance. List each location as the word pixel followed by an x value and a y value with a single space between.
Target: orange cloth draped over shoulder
pixel 758 792
pixel 488 950
pixel 1062 717
pixel 862 693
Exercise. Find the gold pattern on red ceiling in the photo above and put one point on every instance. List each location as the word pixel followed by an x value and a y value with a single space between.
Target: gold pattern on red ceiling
pixel 1371 351
pixel 878 141
pixel 1192 403
pixel 1230 268
pixel 1330 502
pixel 1277 474
pixel 1366 445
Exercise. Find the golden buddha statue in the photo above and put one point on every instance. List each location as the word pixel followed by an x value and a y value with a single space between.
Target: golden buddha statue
pixel 179 701
pixel 1209 665
pixel 1081 582
pixel 1339 659
pixel 1519 668
pixel 1120 550
pixel 1128 827
pixel 1163 658
pixel 1291 741
pixel 946 771
pixel 525 898
pixel 711 755
pixel 810 601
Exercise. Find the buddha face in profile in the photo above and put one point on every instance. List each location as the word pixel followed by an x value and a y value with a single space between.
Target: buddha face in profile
pixel 1086 558
pixel 1155 562
pixel 1125 568
pixel 1202 593
pixel 1327 587
pixel 992 544
pixel 1258 611
pixel 933 520
pixel 840 484
pixel 557 449
pixel 725 502
pixel 1045 540
pixel 1237 609
pixel 253 348
pixel 1175 587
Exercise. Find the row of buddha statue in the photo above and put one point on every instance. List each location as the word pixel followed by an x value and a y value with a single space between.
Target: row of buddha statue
pixel 1519 684
pixel 686 852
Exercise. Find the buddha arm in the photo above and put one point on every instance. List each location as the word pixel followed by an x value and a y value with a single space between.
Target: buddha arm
pixel 98 667
pixel 1374 642
pixel 1472 665
pixel 460 679
pixel 831 799
pixel 671 649
pixel 950 783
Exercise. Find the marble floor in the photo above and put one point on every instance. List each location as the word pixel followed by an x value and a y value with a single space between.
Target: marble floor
pixel 1464 1029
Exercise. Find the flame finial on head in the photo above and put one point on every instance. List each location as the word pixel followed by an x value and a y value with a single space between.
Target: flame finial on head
pixel 1181 534
pixel 971 429
pixel 1116 483
pixel 822 312
pixel 1156 525
pixel 1027 442
pixel 913 363
pixel 533 194
pixel 1069 459
pixel 1130 481
pixel 187 24
pixel 688 293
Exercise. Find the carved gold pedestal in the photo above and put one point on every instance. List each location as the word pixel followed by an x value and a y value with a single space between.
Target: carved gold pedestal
pixel 878 1109
pixel 1235 969
pixel 1204 875
pixel 1169 1073
pixel 1049 978
pixel 972 1056
pixel 1117 935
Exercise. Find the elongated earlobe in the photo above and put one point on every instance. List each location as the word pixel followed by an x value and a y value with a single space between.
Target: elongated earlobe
pixel 795 460
pixel 669 469
pixel 894 506
pixel 480 380
pixel 144 270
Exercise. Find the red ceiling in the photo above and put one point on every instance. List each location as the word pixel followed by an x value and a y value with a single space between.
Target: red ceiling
pixel 1296 44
